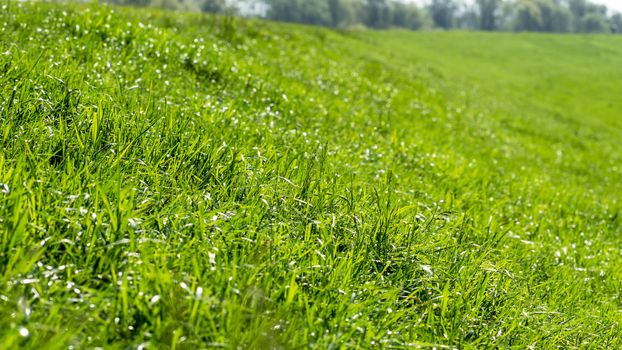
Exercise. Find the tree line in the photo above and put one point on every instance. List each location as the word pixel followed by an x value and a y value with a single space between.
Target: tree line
pixel 559 16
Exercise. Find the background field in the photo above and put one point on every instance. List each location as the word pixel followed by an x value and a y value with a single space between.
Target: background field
pixel 179 181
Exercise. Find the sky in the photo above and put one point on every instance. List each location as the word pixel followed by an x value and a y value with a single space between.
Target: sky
pixel 615 5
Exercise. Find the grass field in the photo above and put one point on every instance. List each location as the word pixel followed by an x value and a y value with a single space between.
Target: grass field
pixel 182 181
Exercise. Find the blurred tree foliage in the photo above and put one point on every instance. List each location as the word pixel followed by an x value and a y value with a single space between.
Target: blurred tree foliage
pixel 559 16
pixel 488 11
pixel 616 23
pixel 443 13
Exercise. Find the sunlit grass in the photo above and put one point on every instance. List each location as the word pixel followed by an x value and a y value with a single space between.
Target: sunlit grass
pixel 183 181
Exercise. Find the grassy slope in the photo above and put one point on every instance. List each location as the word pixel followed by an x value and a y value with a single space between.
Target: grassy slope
pixel 187 181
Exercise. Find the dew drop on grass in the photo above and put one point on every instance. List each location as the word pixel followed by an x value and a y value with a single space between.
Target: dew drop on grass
pixel 23 331
pixel 133 223
pixel 212 260
pixel 4 188
pixel 29 281
pixel 24 307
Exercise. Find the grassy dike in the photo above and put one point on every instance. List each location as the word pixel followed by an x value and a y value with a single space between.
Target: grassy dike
pixel 172 180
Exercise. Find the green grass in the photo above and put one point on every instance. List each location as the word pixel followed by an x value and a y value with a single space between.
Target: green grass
pixel 183 181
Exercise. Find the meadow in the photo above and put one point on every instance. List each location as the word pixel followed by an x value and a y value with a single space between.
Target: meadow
pixel 182 181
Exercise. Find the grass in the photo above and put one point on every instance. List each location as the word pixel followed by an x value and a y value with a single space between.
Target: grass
pixel 178 181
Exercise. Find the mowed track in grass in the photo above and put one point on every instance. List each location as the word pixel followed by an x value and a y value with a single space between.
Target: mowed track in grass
pixel 182 181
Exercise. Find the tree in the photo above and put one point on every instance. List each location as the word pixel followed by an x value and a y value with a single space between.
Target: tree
pixel 378 13
pixel 315 12
pixel 488 12
pixel 528 16
pixel 213 6
pixel 594 23
pixel 342 12
pixel 578 8
pixel 555 17
pixel 300 11
pixel 562 20
pixel 408 16
pixel 616 23
pixel 469 18
pixel 507 15
pixel 443 13
pixel 597 9
pixel 547 10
